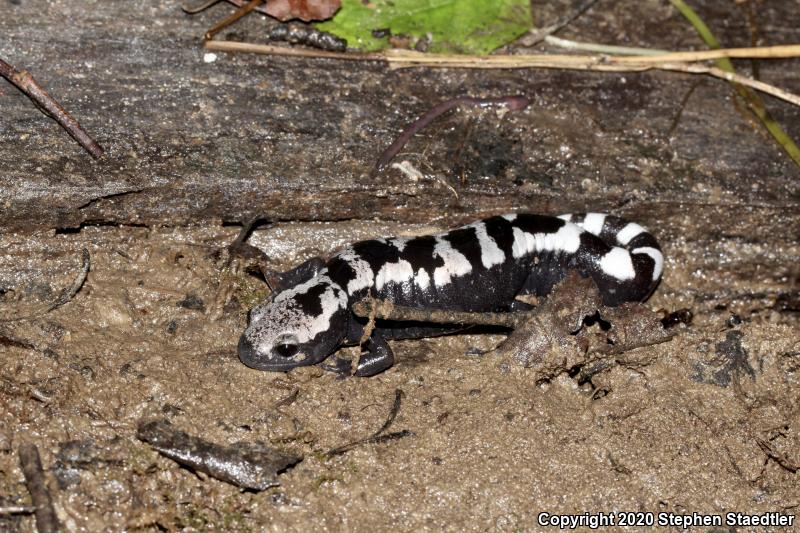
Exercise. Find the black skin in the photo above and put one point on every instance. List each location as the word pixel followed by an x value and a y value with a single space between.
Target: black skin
pixel 480 292
pixel 378 356
pixel 299 274
pixel 376 359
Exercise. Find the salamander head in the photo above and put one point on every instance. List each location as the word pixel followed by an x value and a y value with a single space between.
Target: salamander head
pixel 300 326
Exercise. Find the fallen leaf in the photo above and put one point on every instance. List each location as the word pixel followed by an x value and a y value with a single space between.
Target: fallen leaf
pixel 441 26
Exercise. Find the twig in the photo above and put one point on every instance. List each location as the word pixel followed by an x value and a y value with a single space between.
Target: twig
pixel 398 397
pixel 758 52
pixel 682 107
pixel 236 15
pixel 611 49
pixel 31 464
pixel 512 103
pixel 406 59
pixel 735 78
pixel 676 61
pixel 66 294
pixel 565 61
pixel 249 465
pixel 288 400
pixel 515 60
pixel 192 10
pixel 240 247
pixel 271 49
pixel 777 456
pixel 385 310
pixel 378 436
pixel 25 83
pixel 539 34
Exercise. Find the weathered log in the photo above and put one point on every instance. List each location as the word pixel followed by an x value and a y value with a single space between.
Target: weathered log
pixel 234 136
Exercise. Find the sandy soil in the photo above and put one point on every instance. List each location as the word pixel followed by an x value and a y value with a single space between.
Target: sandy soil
pixel 708 422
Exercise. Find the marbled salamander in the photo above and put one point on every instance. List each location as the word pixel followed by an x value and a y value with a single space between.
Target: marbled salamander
pixel 479 267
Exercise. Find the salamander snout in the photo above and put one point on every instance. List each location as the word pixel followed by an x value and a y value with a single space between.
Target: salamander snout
pixel 246 351
pixel 281 356
pixel 299 326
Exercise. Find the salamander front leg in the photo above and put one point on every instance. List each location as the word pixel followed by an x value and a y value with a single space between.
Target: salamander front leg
pixel 377 358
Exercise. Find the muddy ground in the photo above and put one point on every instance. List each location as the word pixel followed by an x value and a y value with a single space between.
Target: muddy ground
pixel 708 422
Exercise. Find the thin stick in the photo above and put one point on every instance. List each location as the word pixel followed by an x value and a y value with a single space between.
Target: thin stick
pixel 193 10
pixel 408 58
pixel 537 35
pixel 405 59
pixel 31 464
pixel 758 52
pixel 398 397
pixel 236 15
pixel 568 44
pixel 736 78
pixel 518 60
pixel 66 294
pixel 271 49
pixel 378 436
pixel 777 456
pixel 641 66
pixel 25 83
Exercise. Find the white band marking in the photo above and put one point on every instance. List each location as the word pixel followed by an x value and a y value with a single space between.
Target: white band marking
pixel 658 259
pixel 593 223
pixel 630 231
pixel 617 264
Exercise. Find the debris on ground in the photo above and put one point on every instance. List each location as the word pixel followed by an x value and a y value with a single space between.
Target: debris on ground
pixel 252 466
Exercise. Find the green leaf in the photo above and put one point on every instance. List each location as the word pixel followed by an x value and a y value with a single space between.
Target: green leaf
pixel 452 26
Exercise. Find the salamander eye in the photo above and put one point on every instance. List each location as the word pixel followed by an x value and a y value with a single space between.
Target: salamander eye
pixel 286 350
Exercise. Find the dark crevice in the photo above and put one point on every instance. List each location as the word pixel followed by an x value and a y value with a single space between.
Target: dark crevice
pixel 591 320
pixel 108 197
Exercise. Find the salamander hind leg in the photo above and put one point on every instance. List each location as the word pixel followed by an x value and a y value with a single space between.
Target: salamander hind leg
pixel 377 358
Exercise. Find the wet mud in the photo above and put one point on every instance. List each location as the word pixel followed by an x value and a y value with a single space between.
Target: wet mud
pixel 706 422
